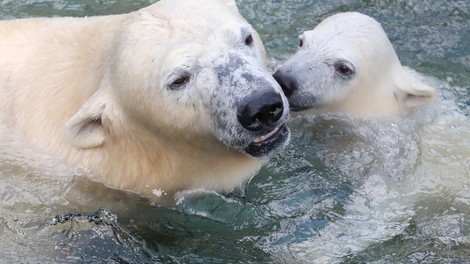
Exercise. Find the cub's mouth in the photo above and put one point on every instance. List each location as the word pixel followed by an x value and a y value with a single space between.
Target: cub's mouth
pixel 298 108
pixel 301 102
pixel 269 143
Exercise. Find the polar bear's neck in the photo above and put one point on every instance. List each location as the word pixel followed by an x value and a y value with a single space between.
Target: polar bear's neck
pixel 368 101
pixel 142 162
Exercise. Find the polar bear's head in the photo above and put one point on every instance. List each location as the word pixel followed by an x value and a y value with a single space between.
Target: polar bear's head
pixel 190 72
pixel 347 64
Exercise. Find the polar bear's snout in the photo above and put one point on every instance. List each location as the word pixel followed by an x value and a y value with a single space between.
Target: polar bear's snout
pixel 287 82
pixel 263 115
pixel 300 97
pixel 260 112
pixel 248 106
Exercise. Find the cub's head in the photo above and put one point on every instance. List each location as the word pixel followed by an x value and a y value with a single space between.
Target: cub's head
pixel 190 71
pixel 348 64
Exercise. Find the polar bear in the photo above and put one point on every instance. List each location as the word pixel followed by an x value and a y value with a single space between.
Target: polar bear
pixel 347 64
pixel 170 97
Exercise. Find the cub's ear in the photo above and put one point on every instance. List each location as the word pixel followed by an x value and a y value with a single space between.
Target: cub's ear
pixel 411 90
pixel 230 3
pixel 85 129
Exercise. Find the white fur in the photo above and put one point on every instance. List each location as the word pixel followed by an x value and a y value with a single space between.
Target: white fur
pixel 379 85
pixel 94 91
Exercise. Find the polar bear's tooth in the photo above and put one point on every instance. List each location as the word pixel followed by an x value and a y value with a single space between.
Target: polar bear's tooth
pixel 263 138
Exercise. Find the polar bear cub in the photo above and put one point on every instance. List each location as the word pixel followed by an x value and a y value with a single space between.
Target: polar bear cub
pixel 174 96
pixel 347 64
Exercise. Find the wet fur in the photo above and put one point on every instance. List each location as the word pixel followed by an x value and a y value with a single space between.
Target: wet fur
pixel 95 92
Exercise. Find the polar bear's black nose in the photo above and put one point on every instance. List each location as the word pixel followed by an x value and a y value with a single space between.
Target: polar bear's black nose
pixel 286 81
pixel 261 111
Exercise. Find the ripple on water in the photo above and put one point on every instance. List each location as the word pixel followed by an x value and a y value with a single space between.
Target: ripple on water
pixel 389 190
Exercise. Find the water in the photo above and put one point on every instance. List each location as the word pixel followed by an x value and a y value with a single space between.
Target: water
pixel 353 190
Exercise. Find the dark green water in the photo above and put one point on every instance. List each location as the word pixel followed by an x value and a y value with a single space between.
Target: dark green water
pixel 389 190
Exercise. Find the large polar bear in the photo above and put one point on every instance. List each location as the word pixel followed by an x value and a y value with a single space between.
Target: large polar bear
pixel 347 64
pixel 176 95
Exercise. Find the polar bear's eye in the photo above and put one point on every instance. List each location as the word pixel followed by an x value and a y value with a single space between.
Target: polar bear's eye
pixel 178 83
pixel 301 43
pixel 344 69
pixel 249 40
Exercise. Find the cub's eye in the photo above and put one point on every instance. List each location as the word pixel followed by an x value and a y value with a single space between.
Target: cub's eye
pixel 179 82
pixel 344 69
pixel 301 43
pixel 249 40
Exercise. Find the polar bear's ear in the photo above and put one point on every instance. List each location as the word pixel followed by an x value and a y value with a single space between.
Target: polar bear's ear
pixel 230 3
pixel 85 129
pixel 412 90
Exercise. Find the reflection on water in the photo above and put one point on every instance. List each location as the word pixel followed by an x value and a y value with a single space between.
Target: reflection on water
pixel 380 190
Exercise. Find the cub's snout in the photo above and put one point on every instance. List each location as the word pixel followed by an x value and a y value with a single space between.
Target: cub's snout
pixel 287 82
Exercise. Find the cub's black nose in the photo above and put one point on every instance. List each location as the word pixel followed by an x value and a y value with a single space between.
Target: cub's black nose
pixel 286 81
pixel 261 111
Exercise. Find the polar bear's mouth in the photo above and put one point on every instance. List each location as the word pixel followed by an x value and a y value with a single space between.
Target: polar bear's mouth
pixel 266 144
pixel 267 136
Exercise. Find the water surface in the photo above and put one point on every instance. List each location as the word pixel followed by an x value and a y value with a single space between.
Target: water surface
pixel 353 190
